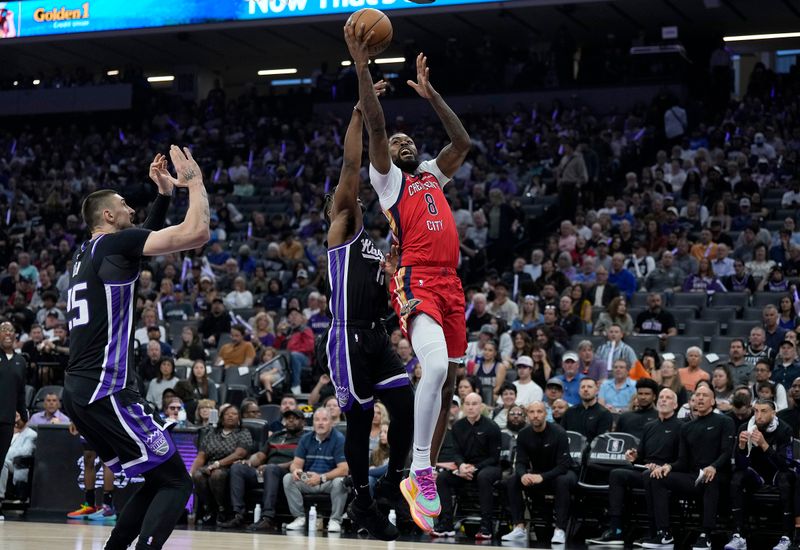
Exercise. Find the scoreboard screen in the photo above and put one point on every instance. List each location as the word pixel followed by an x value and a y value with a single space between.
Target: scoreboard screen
pixel 27 18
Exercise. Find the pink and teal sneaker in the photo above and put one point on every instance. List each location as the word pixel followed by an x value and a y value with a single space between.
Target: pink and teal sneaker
pixel 419 490
pixel 104 513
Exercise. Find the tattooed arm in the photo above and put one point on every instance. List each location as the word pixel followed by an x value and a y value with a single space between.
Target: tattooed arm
pixel 193 231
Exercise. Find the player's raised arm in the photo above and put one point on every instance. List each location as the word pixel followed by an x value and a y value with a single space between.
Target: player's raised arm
pixel 356 39
pixel 452 156
pixel 160 175
pixel 345 214
pixel 193 231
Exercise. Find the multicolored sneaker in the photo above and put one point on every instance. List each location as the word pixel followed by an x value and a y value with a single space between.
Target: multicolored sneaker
pixel 419 490
pixel 106 513
pixel 83 512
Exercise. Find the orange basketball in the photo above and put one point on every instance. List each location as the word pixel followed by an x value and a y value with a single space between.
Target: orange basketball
pixel 376 21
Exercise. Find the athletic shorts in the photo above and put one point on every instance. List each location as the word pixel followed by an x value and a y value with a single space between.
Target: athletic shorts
pixel 361 360
pixel 125 431
pixel 437 292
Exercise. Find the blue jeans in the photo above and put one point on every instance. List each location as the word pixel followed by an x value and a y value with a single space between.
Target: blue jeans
pixel 298 362
pixel 374 475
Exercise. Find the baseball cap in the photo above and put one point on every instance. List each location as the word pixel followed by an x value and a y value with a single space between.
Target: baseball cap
pixel 457 400
pixel 570 356
pixel 744 201
pixel 673 210
pixel 295 413
pixel 489 329
pixel 524 361
pixel 302 274
pixel 555 382
pixel 759 138
pixel 787 342
pixel 205 278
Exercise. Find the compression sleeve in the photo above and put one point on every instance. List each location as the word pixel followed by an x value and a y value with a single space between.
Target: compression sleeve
pixel 387 186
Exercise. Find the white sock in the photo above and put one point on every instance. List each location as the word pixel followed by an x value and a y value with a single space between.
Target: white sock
pixel 427 338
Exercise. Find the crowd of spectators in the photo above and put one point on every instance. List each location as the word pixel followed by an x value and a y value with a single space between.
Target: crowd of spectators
pixel 592 244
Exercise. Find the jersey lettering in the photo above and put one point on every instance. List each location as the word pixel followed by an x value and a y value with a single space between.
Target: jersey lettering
pixel 81 304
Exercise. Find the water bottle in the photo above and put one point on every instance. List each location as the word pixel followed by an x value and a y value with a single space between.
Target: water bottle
pixel 257 513
pixel 182 418
pixel 312 520
pixel 392 517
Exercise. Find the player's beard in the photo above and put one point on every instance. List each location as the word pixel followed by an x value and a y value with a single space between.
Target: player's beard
pixel 409 166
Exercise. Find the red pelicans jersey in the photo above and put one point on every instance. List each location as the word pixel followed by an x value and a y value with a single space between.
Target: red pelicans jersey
pixel 426 280
pixel 419 215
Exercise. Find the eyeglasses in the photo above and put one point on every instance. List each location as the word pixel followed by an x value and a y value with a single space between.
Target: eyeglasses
pixel 515 414
pixel 174 408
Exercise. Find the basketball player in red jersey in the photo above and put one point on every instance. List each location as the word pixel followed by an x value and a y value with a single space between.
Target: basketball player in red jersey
pixel 426 292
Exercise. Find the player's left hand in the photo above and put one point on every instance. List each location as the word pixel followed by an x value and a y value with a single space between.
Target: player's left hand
pixel 186 167
pixel 423 84
pixel 159 173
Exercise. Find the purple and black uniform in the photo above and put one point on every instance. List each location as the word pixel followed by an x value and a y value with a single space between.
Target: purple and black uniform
pixel 360 355
pixel 100 394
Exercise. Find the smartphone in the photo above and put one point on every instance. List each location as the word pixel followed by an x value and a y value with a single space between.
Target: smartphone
pixel 213 417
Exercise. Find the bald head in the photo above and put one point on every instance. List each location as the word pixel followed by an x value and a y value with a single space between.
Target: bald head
pixel 473 406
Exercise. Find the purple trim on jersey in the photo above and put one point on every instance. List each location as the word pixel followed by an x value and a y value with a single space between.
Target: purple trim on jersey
pixel 95 243
pixel 114 370
pixel 123 341
pixel 396 381
pixel 349 242
pixel 337 334
pixel 157 441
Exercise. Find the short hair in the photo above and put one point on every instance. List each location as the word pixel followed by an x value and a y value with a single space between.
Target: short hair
pixel 507 386
pixel 648 384
pixel 769 402
pixel 240 328
pixel 93 205
pixel 765 361
pixel 694 348
pixel 741 400
pixel 583 344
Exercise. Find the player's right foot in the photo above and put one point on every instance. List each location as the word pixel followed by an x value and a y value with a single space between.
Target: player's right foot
pixel 83 512
pixel 419 490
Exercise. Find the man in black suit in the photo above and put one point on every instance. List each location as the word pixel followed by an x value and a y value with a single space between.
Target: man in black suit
pixel 12 388
pixel 602 292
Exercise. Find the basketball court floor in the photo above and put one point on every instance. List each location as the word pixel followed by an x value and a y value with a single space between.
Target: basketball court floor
pixel 27 535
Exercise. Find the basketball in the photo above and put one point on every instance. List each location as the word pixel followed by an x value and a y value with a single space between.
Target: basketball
pixel 374 20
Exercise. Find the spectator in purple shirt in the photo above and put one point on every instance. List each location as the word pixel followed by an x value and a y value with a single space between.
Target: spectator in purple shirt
pixel 51 413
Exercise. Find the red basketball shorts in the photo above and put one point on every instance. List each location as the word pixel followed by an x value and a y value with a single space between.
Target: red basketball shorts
pixel 437 292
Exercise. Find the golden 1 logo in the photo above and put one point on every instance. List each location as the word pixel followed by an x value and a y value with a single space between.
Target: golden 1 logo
pixel 42 15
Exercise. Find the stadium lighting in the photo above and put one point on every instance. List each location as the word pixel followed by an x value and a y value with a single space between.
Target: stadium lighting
pixel 113 72
pixel 272 72
pixel 347 62
pixel 165 78
pixel 770 36
pixel 386 60
pixel 37 82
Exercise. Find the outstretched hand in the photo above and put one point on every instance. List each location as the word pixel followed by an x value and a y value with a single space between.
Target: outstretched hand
pixel 423 84
pixel 380 89
pixel 357 40
pixel 186 167
pixel 159 173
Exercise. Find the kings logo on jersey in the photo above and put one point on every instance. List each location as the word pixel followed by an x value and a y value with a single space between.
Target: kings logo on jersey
pixel 157 443
pixel 369 251
pixel 342 396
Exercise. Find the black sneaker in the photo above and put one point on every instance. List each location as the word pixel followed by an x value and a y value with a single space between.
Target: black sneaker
pixel 373 521
pixel 264 524
pixel 702 543
pixel 663 539
pixel 610 537
pixel 389 491
pixel 236 522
